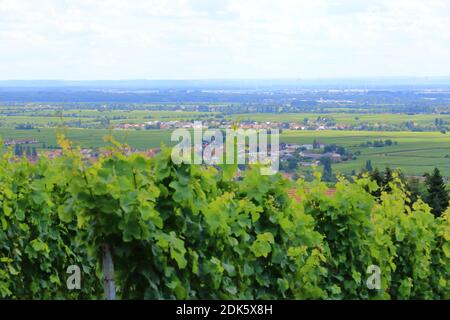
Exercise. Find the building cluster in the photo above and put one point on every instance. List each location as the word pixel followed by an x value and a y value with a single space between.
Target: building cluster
pixel 17 141
pixel 92 155
pixel 307 154
pixel 228 124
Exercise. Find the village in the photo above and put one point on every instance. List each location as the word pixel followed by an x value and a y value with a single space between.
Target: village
pixel 291 156
pixel 317 124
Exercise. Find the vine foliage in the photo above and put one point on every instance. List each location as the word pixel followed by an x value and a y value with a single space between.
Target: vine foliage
pixel 190 232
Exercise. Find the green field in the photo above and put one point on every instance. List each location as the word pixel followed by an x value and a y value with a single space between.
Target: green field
pixel 41 117
pixel 50 116
pixel 415 153
pixel 344 118
pixel 93 138
pixel 42 121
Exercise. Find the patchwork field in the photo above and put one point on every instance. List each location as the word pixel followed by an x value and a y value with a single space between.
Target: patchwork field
pixel 415 152
pixel 44 117
pixel 345 118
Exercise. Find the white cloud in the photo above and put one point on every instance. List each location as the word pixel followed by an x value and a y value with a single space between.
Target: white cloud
pixel 88 39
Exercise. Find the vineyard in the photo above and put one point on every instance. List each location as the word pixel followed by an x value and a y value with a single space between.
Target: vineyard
pixel 193 232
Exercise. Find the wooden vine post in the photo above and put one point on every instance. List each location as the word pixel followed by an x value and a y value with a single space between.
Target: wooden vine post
pixel 108 273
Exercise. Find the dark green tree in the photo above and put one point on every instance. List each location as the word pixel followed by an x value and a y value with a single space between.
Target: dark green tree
pixel 388 177
pixel 18 150
pixel 369 167
pixel 327 169
pixel 437 197
pixel 316 144
pixel 414 187
pixel 377 176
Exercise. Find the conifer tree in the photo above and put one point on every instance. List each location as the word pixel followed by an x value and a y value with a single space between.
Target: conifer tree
pixel 388 177
pixel 369 167
pixel 327 170
pixel 437 197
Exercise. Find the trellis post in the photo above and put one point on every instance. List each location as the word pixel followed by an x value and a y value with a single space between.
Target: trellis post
pixel 108 273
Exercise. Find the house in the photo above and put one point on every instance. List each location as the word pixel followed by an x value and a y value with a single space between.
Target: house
pixel 336 157
pixel 291 148
pixel 315 156
pixel 307 146
pixel 52 154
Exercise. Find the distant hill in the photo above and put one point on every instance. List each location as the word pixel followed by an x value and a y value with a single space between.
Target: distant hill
pixel 249 84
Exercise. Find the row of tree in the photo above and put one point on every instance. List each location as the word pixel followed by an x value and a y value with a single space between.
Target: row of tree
pixel 19 151
pixel 433 189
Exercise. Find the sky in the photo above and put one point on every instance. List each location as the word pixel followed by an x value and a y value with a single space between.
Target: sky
pixel 223 39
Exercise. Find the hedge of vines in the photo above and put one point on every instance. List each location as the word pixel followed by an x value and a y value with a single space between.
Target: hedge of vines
pixel 191 232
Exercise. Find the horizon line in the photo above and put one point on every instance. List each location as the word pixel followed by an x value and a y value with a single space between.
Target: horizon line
pixel 240 79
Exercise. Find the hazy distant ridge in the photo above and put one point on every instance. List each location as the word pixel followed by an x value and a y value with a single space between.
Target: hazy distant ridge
pixel 234 83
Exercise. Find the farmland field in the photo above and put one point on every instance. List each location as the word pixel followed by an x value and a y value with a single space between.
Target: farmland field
pixel 9 117
pixel 415 153
pixel 45 115
pixel 93 138
pixel 345 118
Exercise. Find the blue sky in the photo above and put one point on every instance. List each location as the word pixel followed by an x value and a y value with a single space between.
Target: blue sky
pixel 210 39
